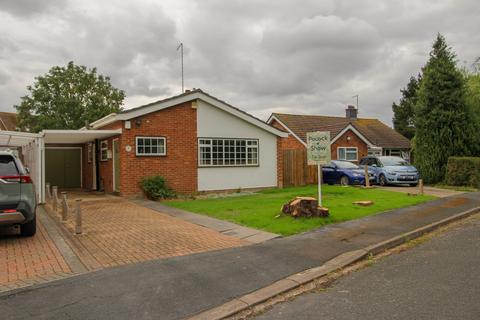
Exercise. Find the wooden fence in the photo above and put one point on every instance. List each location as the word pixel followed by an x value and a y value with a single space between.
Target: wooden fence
pixel 296 172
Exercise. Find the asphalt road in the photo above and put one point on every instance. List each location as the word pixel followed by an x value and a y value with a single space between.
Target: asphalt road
pixel 179 287
pixel 439 279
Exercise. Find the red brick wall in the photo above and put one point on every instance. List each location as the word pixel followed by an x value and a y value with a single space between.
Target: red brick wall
pixel 178 125
pixel 87 167
pixel 354 141
pixel 287 143
pixel 279 162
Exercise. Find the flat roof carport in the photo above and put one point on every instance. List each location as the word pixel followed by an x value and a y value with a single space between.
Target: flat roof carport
pixel 33 148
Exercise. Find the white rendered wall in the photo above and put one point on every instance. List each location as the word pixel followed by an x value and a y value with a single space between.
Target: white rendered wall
pixel 215 123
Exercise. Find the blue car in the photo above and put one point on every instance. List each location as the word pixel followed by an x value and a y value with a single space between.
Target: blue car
pixel 344 173
pixel 391 170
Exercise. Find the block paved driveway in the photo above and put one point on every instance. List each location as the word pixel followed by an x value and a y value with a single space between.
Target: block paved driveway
pixel 118 232
pixel 25 261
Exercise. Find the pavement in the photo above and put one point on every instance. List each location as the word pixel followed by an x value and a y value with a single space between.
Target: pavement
pixel 439 279
pixel 225 227
pixel 431 191
pixel 180 287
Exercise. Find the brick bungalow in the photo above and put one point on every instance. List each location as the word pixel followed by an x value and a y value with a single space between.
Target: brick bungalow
pixel 351 137
pixel 194 140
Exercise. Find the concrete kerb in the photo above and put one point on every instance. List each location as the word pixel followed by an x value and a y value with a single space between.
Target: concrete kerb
pixel 341 261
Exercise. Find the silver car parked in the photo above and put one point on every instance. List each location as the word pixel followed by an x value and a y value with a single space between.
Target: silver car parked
pixel 17 195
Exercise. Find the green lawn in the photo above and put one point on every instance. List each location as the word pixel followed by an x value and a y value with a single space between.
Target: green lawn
pixel 260 210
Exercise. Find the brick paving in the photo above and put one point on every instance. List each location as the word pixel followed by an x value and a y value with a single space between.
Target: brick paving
pixel 26 261
pixel 118 232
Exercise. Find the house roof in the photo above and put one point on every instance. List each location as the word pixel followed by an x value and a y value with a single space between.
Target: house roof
pixel 8 121
pixel 182 98
pixel 373 130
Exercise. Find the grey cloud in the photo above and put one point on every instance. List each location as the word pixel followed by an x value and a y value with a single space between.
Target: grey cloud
pixel 306 56
pixel 29 7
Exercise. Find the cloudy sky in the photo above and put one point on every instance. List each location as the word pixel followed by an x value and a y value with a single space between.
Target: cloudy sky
pixel 263 56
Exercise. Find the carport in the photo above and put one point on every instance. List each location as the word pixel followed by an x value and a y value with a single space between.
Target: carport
pixel 32 147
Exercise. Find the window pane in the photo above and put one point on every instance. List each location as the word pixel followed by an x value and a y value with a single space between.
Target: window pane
pixel 341 153
pixel 351 154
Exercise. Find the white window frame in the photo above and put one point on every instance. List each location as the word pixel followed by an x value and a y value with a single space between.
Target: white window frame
pixel 253 148
pixel 104 147
pixel 346 148
pixel 158 154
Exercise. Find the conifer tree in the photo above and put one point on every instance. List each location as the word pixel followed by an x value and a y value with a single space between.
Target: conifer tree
pixel 442 119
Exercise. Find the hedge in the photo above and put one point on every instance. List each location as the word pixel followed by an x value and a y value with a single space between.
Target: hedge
pixel 463 171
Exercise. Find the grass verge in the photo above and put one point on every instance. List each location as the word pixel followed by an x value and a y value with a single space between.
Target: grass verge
pixel 261 210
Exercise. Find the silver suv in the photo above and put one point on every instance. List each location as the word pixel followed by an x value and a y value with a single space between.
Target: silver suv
pixel 17 195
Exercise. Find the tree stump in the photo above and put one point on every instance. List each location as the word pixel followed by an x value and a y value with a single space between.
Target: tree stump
pixel 304 207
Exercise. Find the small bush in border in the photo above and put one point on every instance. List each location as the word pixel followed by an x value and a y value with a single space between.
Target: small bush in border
pixel 463 171
pixel 155 187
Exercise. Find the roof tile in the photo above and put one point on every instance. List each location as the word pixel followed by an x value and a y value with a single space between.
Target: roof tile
pixel 373 130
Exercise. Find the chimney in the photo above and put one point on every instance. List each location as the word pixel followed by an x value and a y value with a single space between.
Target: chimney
pixel 351 112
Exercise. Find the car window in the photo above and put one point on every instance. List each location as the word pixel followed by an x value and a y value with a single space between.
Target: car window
pixel 345 165
pixel 394 161
pixel 8 166
pixel 364 161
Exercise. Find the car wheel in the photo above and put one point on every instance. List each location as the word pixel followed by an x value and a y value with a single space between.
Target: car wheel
pixel 382 180
pixel 344 181
pixel 29 229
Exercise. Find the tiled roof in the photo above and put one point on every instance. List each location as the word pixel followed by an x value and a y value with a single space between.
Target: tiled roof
pixel 8 121
pixel 375 131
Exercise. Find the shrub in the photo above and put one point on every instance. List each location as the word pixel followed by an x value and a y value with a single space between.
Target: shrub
pixel 155 187
pixel 463 171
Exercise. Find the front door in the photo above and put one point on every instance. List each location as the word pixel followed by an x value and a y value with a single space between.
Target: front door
pixel 116 166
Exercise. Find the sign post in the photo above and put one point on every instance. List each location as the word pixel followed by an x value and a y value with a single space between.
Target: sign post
pixel 318 153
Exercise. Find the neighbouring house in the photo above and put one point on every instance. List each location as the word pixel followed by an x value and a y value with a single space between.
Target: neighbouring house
pixel 8 121
pixel 194 140
pixel 351 137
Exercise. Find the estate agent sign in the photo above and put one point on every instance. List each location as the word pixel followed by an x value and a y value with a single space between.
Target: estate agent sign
pixel 318 153
pixel 318 148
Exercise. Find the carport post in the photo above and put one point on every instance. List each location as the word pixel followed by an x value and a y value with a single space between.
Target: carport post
pixel 78 217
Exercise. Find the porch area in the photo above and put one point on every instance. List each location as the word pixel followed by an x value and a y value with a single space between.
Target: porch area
pixel 59 157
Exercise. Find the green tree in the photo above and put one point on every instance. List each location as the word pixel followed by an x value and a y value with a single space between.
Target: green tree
pixel 473 103
pixel 442 119
pixel 66 98
pixel 404 111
